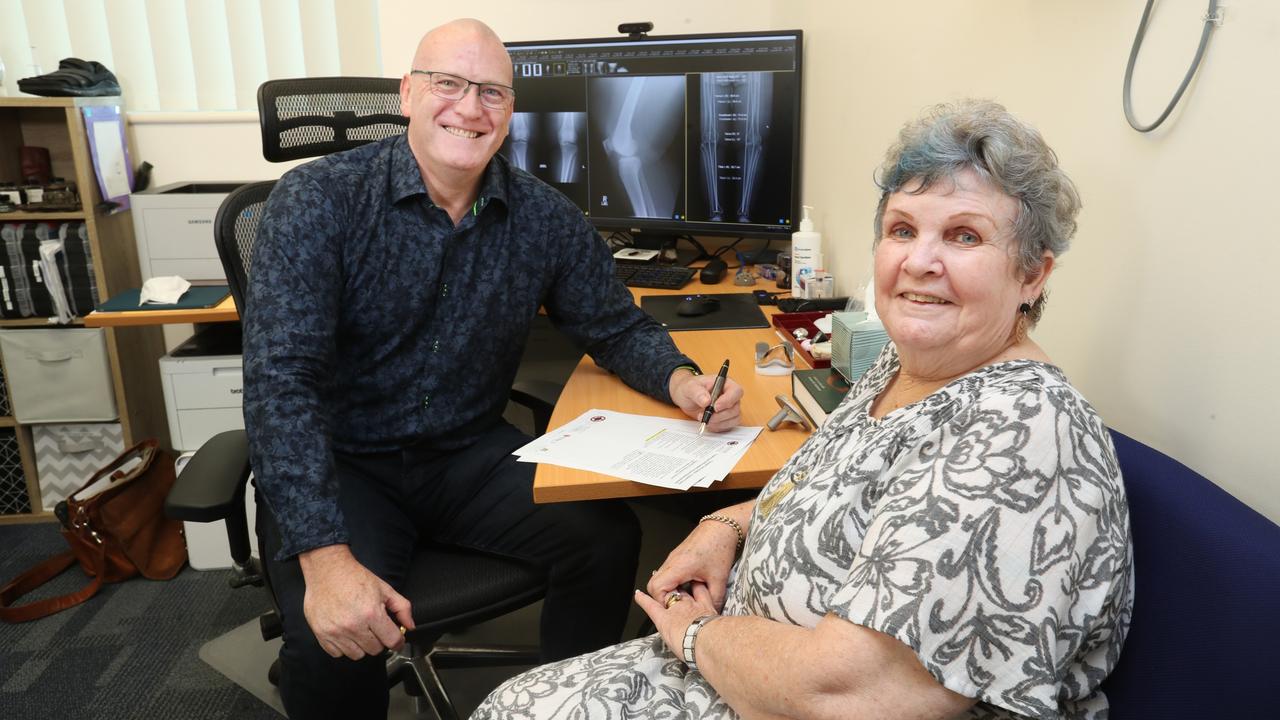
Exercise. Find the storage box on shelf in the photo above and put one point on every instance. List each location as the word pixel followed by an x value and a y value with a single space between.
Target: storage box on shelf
pixel 101 260
pixel 68 454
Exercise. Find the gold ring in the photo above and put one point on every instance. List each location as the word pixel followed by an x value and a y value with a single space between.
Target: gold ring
pixel 675 597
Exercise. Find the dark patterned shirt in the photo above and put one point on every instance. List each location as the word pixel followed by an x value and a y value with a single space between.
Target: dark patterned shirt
pixel 374 323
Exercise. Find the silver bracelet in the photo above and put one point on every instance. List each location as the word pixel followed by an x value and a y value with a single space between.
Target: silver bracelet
pixel 691 638
pixel 742 538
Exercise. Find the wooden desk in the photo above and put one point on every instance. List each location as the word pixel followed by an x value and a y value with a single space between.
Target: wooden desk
pixel 224 311
pixel 591 387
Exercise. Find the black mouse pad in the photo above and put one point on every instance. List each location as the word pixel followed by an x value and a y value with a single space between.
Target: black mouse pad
pixel 737 310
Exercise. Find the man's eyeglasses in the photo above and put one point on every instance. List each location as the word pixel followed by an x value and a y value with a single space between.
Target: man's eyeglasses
pixel 452 87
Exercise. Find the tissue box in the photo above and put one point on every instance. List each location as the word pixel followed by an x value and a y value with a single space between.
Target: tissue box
pixel 856 342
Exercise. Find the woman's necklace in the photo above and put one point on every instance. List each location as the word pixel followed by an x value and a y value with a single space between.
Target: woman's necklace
pixel 903 391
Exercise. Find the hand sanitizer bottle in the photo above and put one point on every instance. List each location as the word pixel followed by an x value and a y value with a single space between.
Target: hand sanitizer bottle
pixel 806 254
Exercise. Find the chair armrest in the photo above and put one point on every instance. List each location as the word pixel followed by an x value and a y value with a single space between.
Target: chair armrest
pixel 540 397
pixel 211 486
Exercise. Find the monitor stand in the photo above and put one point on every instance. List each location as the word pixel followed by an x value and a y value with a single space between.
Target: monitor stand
pixel 665 242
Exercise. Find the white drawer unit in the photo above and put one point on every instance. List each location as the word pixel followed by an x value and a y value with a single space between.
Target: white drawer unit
pixel 173 225
pixel 202 396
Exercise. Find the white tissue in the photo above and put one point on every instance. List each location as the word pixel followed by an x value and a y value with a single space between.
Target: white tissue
pixel 163 290
pixel 48 265
pixel 870 300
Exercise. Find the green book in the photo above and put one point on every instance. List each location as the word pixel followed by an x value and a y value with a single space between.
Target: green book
pixel 818 392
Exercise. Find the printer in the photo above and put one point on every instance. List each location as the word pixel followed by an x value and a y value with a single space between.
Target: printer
pixel 173 225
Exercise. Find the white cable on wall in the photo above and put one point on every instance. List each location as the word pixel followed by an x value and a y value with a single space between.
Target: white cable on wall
pixel 1212 19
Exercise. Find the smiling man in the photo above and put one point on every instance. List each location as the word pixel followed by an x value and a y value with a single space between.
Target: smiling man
pixel 391 297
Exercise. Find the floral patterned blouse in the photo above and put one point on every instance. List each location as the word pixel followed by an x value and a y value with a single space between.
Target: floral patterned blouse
pixel 984 526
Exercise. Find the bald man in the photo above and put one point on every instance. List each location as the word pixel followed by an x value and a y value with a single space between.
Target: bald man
pixel 392 292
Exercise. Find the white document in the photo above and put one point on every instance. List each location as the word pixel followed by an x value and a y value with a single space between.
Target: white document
pixel 653 450
pixel 110 158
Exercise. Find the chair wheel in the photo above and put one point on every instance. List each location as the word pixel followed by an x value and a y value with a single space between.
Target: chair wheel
pixel 273 673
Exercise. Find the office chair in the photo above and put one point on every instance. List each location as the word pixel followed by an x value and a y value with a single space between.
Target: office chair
pixel 450 588
pixel 1206 611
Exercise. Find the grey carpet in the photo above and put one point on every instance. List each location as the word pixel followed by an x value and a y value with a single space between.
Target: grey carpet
pixel 129 652
pixel 135 650
pixel 181 648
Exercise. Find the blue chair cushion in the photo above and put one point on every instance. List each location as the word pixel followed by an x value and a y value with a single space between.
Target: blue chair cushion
pixel 1206 618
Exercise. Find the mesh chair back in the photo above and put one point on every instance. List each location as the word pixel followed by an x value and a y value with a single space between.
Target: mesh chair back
pixel 310 117
pixel 235 228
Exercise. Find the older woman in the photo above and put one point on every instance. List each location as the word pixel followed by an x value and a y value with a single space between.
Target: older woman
pixel 953 542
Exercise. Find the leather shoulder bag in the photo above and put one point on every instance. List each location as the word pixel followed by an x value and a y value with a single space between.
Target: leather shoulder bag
pixel 116 527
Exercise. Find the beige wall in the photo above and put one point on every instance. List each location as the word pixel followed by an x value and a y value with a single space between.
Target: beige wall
pixel 1162 312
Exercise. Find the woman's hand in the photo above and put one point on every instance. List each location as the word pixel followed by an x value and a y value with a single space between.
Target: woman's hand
pixel 704 558
pixel 672 620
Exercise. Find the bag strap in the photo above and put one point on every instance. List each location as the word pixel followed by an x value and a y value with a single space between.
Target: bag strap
pixel 41 574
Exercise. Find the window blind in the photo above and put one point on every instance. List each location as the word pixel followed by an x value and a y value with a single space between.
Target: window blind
pixel 175 55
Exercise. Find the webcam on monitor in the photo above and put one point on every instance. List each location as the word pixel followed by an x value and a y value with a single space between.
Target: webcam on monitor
pixel 635 29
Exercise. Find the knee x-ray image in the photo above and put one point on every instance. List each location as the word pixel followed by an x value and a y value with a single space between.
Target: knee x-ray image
pixel 549 145
pixel 739 170
pixel 636 125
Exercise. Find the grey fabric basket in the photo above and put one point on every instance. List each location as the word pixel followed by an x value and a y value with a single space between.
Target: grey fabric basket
pixel 58 375
pixel 67 455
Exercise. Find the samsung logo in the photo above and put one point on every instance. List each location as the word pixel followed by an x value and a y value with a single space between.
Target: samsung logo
pixel 199 222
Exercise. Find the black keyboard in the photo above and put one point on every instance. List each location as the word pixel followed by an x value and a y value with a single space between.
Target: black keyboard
pixel 654 276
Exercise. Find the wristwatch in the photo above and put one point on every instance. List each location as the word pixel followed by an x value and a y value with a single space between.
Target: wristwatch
pixel 691 637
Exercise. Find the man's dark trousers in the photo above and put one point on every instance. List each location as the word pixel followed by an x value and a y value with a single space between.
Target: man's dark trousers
pixel 477 497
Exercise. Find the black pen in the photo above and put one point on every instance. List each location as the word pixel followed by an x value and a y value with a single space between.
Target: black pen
pixel 715 395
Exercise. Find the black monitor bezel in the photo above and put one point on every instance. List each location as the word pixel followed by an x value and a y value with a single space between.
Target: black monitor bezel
pixel 644 226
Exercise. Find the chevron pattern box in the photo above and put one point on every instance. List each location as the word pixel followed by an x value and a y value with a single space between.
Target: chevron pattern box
pixel 68 455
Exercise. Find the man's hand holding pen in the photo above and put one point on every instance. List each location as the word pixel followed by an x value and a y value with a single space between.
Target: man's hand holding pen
pixel 692 394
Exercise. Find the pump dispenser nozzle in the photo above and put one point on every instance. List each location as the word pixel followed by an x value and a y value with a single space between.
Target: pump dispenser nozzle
pixel 806 223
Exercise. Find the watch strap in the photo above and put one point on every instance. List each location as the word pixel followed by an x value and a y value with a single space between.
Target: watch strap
pixel 691 639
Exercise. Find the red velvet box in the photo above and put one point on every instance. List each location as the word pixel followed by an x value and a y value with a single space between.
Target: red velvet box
pixel 788 322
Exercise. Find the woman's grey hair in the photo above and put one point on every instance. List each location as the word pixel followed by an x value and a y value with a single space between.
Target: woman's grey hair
pixel 983 136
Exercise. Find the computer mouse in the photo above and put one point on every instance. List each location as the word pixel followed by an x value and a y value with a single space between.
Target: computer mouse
pixel 697 305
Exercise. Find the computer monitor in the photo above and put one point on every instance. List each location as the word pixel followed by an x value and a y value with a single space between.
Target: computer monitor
pixel 665 136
